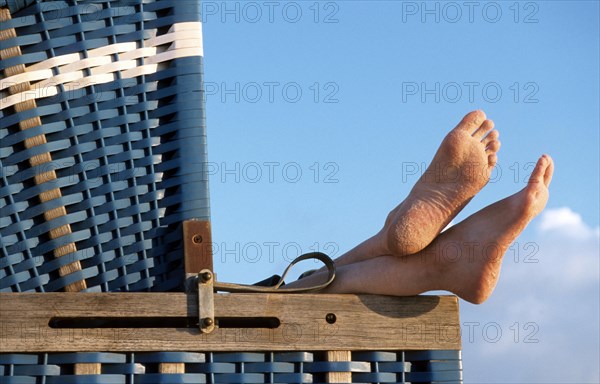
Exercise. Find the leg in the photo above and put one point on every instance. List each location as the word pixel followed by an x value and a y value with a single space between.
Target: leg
pixel 464 260
pixel 460 168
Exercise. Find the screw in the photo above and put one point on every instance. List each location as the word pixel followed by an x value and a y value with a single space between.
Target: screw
pixel 206 276
pixel 197 239
pixel 207 322
pixel 330 318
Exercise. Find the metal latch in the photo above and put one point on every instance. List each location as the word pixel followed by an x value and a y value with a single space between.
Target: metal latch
pixel 206 301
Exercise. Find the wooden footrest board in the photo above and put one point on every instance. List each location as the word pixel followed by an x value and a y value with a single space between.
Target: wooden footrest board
pixel 129 322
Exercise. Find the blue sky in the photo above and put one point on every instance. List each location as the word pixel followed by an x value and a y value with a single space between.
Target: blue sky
pixel 320 115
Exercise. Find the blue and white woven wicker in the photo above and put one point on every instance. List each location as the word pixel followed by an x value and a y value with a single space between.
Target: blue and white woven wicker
pixel 102 144
pixel 234 368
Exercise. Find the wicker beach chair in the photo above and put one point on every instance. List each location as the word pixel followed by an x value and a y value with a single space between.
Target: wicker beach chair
pixel 103 190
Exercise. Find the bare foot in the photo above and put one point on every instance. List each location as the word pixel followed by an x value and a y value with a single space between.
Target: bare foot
pixel 483 238
pixel 459 169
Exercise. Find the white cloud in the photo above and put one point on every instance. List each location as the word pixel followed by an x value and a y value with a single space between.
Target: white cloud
pixel 569 248
pixel 566 221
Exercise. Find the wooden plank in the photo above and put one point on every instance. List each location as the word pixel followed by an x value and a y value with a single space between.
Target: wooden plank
pixel 362 322
pixel 339 377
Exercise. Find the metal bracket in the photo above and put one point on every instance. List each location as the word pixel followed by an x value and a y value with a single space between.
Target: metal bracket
pixel 197 248
pixel 206 301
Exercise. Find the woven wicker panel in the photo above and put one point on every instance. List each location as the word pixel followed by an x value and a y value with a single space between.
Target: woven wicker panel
pixel 118 147
pixel 409 367
pixel 287 367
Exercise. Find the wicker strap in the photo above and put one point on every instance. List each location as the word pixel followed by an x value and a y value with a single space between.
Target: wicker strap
pixel 182 40
pixel 233 287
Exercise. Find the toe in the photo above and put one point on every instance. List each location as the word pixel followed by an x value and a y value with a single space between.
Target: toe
pixel 484 128
pixel 492 160
pixel 537 176
pixel 472 121
pixel 492 146
pixel 549 170
pixel 491 136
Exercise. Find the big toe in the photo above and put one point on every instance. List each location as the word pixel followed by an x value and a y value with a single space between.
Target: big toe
pixel 542 173
pixel 472 121
pixel 549 170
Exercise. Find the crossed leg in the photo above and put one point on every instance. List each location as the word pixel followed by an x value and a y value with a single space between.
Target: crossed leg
pixel 406 258
pixel 464 260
